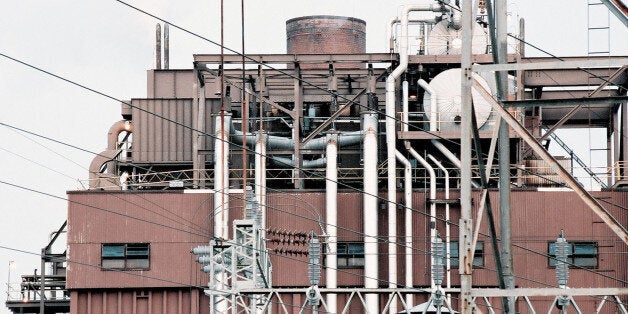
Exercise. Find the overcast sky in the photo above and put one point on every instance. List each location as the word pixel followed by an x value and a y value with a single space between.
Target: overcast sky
pixel 108 47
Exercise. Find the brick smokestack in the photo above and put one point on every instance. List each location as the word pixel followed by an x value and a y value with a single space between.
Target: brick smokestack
pixel 326 34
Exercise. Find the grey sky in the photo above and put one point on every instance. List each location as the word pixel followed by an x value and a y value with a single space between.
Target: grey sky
pixel 107 46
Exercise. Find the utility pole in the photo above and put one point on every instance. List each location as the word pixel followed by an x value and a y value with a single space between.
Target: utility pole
pixel 466 222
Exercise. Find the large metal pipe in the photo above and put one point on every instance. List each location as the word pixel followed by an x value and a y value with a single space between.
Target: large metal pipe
pixel 260 177
pixel 114 132
pixel 452 158
pixel 331 217
pixel 284 143
pixel 390 118
pixel 432 174
pixel 370 214
pixel 433 104
pixel 283 161
pixel 407 199
pixel 390 29
pixel 447 224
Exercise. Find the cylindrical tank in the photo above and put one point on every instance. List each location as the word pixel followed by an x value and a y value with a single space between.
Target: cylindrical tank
pixel 326 34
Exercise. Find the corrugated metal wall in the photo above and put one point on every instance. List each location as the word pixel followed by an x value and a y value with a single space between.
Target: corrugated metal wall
pixel 152 301
pixel 157 140
pixel 537 217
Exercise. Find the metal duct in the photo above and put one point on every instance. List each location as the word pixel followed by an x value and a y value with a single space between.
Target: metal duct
pixel 282 161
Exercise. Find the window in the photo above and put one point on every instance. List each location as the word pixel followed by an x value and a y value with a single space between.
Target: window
pixel 478 256
pixel 582 254
pixel 126 256
pixel 350 254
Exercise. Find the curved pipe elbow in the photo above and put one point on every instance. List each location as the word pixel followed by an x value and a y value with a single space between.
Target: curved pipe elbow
pixel 115 130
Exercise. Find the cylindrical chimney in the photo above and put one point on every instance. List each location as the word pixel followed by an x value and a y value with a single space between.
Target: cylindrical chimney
pixel 326 34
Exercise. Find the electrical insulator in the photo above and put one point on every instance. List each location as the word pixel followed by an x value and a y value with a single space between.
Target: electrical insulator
pixel 314 265
pixel 562 268
pixel 438 252
pixel 202 250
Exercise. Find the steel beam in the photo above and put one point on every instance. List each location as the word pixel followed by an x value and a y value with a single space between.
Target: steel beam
pixel 615 62
pixel 595 206
pixel 300 58
pixel 546 292
pixel 619 9
pixel 610 101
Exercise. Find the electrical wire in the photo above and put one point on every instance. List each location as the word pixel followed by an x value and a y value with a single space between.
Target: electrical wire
pixel 211 135
pixel 58 77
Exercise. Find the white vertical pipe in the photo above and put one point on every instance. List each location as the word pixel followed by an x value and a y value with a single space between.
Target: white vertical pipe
pixel 221 178
pixel 447 225
pixel 221 198
pixel 432 174
pixel 370 214
pixel 372 301
pixel 260 176
pixel 331 217
pixel 407 187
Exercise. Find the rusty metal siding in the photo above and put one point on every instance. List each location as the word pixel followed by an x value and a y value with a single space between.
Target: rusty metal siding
pixel 157 140
pixel 536 219
pixel 172 223
pixel 146 301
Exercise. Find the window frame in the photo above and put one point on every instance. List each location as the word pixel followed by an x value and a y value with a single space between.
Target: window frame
pixel 478 255
pixel 347 256
pixel 131 252
pixel 574 258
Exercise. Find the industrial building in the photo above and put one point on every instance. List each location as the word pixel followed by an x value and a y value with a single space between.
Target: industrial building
pixel 328 179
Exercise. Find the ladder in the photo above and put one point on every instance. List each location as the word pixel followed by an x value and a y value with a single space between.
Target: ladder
pixel 577 159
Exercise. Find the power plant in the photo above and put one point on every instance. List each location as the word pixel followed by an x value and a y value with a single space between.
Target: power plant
pixel 331 180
